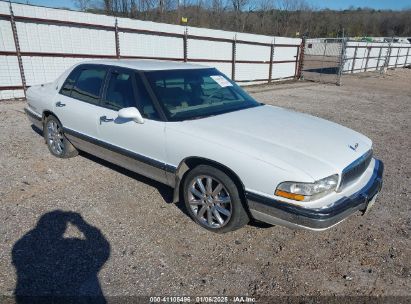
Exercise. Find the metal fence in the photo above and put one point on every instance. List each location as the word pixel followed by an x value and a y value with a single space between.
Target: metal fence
pixel 326 59
pixel 375 56
pixel 38 44
pixel 323 60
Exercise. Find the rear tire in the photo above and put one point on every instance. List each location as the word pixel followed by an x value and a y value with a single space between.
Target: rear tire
pixel 213 200
pixel 55 139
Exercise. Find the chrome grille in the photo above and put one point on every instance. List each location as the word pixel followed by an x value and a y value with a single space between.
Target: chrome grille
pixel 353 171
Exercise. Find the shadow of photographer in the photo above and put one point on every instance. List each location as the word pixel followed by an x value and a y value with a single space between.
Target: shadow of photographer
pixel 53 268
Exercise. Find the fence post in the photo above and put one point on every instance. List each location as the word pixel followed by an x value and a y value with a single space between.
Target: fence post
pixel 378 60
pixel 389 55
pixel 387 60
pixel 296 62
pixel 116 37
pixel 398 54
pixel 368 58
pixel 270 72
pixel 301 59
pixel 17 45
pixel 342 60
pixel 185 46
pixel 406 57
pixel 233 58
pixel 353 59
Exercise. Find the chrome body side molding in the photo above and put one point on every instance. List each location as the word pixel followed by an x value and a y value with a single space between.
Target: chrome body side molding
pixel 140 164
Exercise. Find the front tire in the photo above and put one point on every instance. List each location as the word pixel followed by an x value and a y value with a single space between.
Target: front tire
pixel 213 200
pixel 56 141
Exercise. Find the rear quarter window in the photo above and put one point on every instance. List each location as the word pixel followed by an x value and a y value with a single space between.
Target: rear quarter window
pixel 69 82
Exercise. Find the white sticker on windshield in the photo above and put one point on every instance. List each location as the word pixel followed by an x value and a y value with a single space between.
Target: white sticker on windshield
pixel 221 81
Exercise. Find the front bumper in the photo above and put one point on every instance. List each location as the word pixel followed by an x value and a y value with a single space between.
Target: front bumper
pixel 280 213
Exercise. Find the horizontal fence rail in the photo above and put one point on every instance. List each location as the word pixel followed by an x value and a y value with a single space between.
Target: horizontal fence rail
pixel 52 40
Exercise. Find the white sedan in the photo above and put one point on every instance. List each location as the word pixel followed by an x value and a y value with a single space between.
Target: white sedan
pixel 229 157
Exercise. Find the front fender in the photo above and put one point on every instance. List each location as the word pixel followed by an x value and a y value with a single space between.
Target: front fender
pixel 255 174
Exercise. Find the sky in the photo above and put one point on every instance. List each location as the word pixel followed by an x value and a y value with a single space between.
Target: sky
pixel 341 4
pixel 376 4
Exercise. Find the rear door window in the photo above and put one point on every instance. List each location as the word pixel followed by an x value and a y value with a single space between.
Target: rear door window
pixel 88 84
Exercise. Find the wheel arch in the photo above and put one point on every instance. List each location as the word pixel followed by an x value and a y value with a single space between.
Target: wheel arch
pixel 191 162
pixel 45 114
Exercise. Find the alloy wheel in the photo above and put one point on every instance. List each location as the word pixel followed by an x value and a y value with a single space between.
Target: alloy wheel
pixel 55 137
pixel 210 201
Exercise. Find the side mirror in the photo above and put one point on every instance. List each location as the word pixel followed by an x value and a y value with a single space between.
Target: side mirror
pixel 131 113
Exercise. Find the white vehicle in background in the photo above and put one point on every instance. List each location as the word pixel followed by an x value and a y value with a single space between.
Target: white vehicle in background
pixel 229 157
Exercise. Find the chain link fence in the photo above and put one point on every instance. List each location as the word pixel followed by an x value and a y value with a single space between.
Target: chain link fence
pixel 323 60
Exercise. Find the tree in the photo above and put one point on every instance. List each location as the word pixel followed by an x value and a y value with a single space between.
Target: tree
pixel 270 17
pixel 82 5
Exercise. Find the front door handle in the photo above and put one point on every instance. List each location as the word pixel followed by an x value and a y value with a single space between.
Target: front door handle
pixel 105 119
pixel 60 104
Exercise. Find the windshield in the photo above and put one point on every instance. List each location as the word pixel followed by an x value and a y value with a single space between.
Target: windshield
pixel 197 93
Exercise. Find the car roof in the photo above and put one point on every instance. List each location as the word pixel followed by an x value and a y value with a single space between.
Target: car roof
pixel 147 65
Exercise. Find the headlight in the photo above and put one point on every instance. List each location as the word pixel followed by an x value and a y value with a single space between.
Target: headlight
pixel 307 191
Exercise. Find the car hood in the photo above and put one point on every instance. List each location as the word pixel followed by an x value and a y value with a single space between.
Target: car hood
pixel 284 138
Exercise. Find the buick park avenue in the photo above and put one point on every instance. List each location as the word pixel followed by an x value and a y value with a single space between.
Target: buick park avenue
pixel 229 157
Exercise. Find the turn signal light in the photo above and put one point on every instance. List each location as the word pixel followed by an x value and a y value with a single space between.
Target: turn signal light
pixel 297 197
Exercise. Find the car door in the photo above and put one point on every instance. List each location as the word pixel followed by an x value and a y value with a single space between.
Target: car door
pixel 77 103
pixel 135 146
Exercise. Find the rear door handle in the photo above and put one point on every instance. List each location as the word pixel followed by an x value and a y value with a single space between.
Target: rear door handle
pixel 60 104
pixel 105 119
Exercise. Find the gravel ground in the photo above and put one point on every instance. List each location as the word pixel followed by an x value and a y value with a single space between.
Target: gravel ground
pixel 124 237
